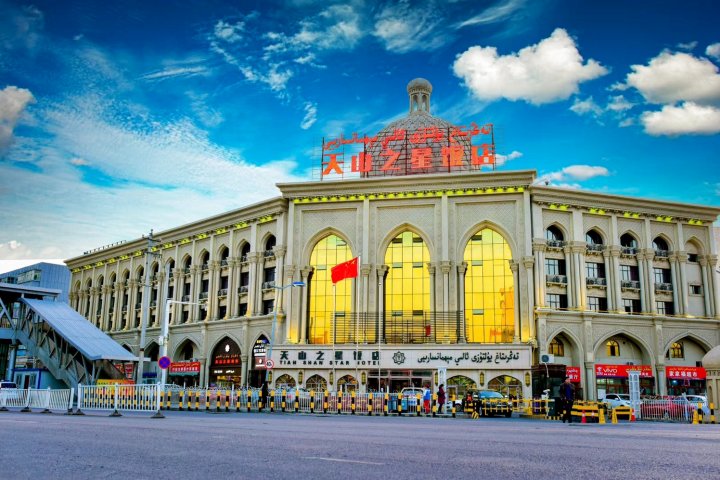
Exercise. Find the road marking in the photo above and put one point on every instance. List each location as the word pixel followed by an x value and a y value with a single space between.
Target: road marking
pixel 342 460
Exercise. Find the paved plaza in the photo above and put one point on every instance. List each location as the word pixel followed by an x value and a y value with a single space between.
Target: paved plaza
pixel 230 445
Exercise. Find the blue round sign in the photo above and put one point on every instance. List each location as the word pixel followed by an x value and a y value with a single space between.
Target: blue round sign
pixel 164 362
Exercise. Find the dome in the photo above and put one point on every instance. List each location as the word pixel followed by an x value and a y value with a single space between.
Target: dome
pixel 711 360
pixel 417 131
pixel 419 84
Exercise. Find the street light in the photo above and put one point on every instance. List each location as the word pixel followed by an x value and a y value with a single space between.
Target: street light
pixel 163 341
pixel 274 321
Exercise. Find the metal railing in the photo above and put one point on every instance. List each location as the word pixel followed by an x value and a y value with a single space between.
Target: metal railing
pixel 628 251
pixel 630 284
pixel 663 287
pixel 595 247
pixel 559 279
pixel 596 281
pixel 555 243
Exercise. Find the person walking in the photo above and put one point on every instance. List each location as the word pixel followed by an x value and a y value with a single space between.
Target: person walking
pixel 427 396
pixel 265 401
pixel 567 394
pixel 441 398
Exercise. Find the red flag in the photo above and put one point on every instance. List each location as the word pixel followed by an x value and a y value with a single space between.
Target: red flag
pixel 349 269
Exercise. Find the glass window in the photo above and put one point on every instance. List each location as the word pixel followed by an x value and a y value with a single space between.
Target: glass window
pixel 612 348
pixel 595 270
pixel 555 300
pixel 556 347
pixel 553 233
pixel 407 291
pixel 489 288
pixel 660 244
pixel 554 266
pixel 593 238
pixel 597 304
pixel 677 350
pixel 328 252
pixel 628 241
pixel 695 289
pixel 631 305
pixel 629 273
pixel 693 257
pixel 665 308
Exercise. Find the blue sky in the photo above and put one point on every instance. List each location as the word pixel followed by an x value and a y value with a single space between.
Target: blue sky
pixel 121 117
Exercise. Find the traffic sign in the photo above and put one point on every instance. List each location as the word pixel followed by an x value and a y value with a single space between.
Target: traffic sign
pixel 164 362
pixel 269 364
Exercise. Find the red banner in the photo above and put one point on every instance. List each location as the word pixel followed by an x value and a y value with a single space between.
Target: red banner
pixel 622 370
pixel 573 373
pixel 185 368
pixel 685 373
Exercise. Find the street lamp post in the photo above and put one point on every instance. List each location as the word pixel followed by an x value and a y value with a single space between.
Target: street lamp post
pixel 163 341
pixel 274 321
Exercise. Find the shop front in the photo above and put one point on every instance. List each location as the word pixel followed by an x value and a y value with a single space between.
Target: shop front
pixel 256 376
pixel 614 379
pixel 226 365
pixel 186 374
pixel 685 380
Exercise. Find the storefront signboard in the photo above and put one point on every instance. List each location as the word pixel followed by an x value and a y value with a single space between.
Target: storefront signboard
pixel 685 373
pixel 607 371
pixel 481 358
pixel 573 373
pixel 185 368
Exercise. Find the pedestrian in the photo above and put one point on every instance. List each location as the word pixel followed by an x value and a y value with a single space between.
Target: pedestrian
pixel 441 398
pixel 567 394
pixel 264 395
pixel 427 396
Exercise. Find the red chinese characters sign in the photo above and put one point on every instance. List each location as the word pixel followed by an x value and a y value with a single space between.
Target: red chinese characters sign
pixel 622 370
pixel 185 368
pixel 573 373
pixel 419 151
pixel 685 373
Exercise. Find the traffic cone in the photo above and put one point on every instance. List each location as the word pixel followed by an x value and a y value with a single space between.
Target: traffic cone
pixel 632 414
pixel 583 420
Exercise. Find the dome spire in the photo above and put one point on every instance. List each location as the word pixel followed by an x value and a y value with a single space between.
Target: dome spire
pixel 419 91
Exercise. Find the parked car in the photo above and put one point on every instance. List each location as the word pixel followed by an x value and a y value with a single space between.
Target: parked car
pixel 696 400
pixel 677 408
pixel 490 402
pixel 617 400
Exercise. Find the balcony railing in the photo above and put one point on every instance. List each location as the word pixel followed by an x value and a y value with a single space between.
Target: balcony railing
pixel 268 254
pixel 186 298
pixel 222 292
pixel 630 284
pixel 205 266
pixel 244 259
pixel 628 251
pixel 223 262
pixel 596 281
pixel 555 243
pixel 595 247
pixel 662 253
pixel 203 295
pixel 663 287
pixel 186 270
pixel 243 289
pixel 559 279
pixel 153 303
pixel 268 285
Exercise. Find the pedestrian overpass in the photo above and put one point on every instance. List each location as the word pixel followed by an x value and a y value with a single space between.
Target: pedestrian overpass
pixel 70 347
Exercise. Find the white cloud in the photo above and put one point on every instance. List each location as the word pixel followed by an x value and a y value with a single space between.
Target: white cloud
pixel 501 160
pixel 79 162
pixel 687 119
pixel 173 72
pixel 337 27
pixel 229 33
pixel 13 101
pixel 582 107
pixel 494 14
pixel 713 51
pixel 15 250
pixel 619 103
pixel 688 46
pixel 403 28
pixel 672 77
pixel 573 172
pixel 549 71
pixel 310 116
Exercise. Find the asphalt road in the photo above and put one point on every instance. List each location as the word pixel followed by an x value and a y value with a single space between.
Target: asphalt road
pixel 269 446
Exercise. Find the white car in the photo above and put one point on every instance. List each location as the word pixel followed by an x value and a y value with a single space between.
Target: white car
pixel 701 399
pixel 617 400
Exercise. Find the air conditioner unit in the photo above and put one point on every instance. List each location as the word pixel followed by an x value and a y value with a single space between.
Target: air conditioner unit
pixel 630 363
pixel 547 358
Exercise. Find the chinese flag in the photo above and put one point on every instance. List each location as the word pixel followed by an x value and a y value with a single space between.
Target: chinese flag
pixel 345 270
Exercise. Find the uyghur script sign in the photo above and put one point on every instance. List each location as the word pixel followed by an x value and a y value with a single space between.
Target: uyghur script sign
pixel 422 149
pixel 493 358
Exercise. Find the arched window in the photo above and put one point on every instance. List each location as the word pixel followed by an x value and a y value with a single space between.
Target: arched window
pixel 553 233
pixel 677 350
pixel 592 237
pixel 407 291
pixel 612 349
pixel 660 245
pixel 205 260
pixel 269 245
pixel 628 241
pixel 489 289
pixel 327 253
pixel 556 347
pixel 244 252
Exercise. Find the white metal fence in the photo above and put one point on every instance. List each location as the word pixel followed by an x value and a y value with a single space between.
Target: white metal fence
pixel 30 398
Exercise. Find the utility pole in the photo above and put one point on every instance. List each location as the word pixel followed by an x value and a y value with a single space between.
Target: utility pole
pixel 145 308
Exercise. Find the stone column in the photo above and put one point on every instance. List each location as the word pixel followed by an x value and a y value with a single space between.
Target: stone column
pixel 279 259
pixel 675 275
pixel 650 279
pixel 706 286
pixel 528 313
pixel 445 267
pixel 715 285
pixel 461 269
pixel 590 386
pixel 615 278
pixel 303 330
pixel 578 252
pixel 292 304
pixel 381 271
pixel 432 270
pixel 117 307
pixel 233 294
pixel 244 368
pixel 132 300
pixel 162 281
pixel 515 267
pixel 213 297
pixel 195 279
pixel 254 286
pixel 539 248
pixel 683 287
pixel 178 285
pixel 105 314
pixel 365 270
pixel 572 281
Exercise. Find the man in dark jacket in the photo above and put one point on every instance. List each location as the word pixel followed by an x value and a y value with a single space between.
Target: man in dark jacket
pixel 567 394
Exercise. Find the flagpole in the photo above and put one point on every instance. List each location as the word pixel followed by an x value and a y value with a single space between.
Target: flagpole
pixel 357 317
pixel 334 332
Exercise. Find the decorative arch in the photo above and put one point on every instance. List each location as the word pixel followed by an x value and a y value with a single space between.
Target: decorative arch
pixel 597 235
pixel 575 342
pixel 469 233
pixel 347 383
pixel 187 261
pixel 489 288
pixel 139 272
pixel 647 350
pixel 316 383
pixel 181 349
pixel 631 235
pixel 690 335
pixel 556 227
pixel 666 239
pixel 508 385
pixel 77 286
pixel 319 235
pixel 696 244
pixel 461 384
pixel 385 242
pixel 89 283
pixel 154 268
pixel 204 257
pixel 125 275
pixel 226 336
pixel 113 278
pixel 268 242
pixel 100 281
pixel 285 381
pixel 324 299
pixel 243 248
pixel 222 252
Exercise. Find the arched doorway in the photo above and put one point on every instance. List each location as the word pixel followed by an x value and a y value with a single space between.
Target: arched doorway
pixel 459 385
pixel 185 369
pixel 225 365
pixel 316 383
pixel 507 385
pixel 285 381
pixel 348 383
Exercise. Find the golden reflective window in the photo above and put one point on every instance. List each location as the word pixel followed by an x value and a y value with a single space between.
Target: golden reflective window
pixel 407 290
pixel 327 253
pixel 489 289
pixel 612 349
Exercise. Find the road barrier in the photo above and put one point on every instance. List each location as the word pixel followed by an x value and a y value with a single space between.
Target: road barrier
pixel 117 398
pixel 31 398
